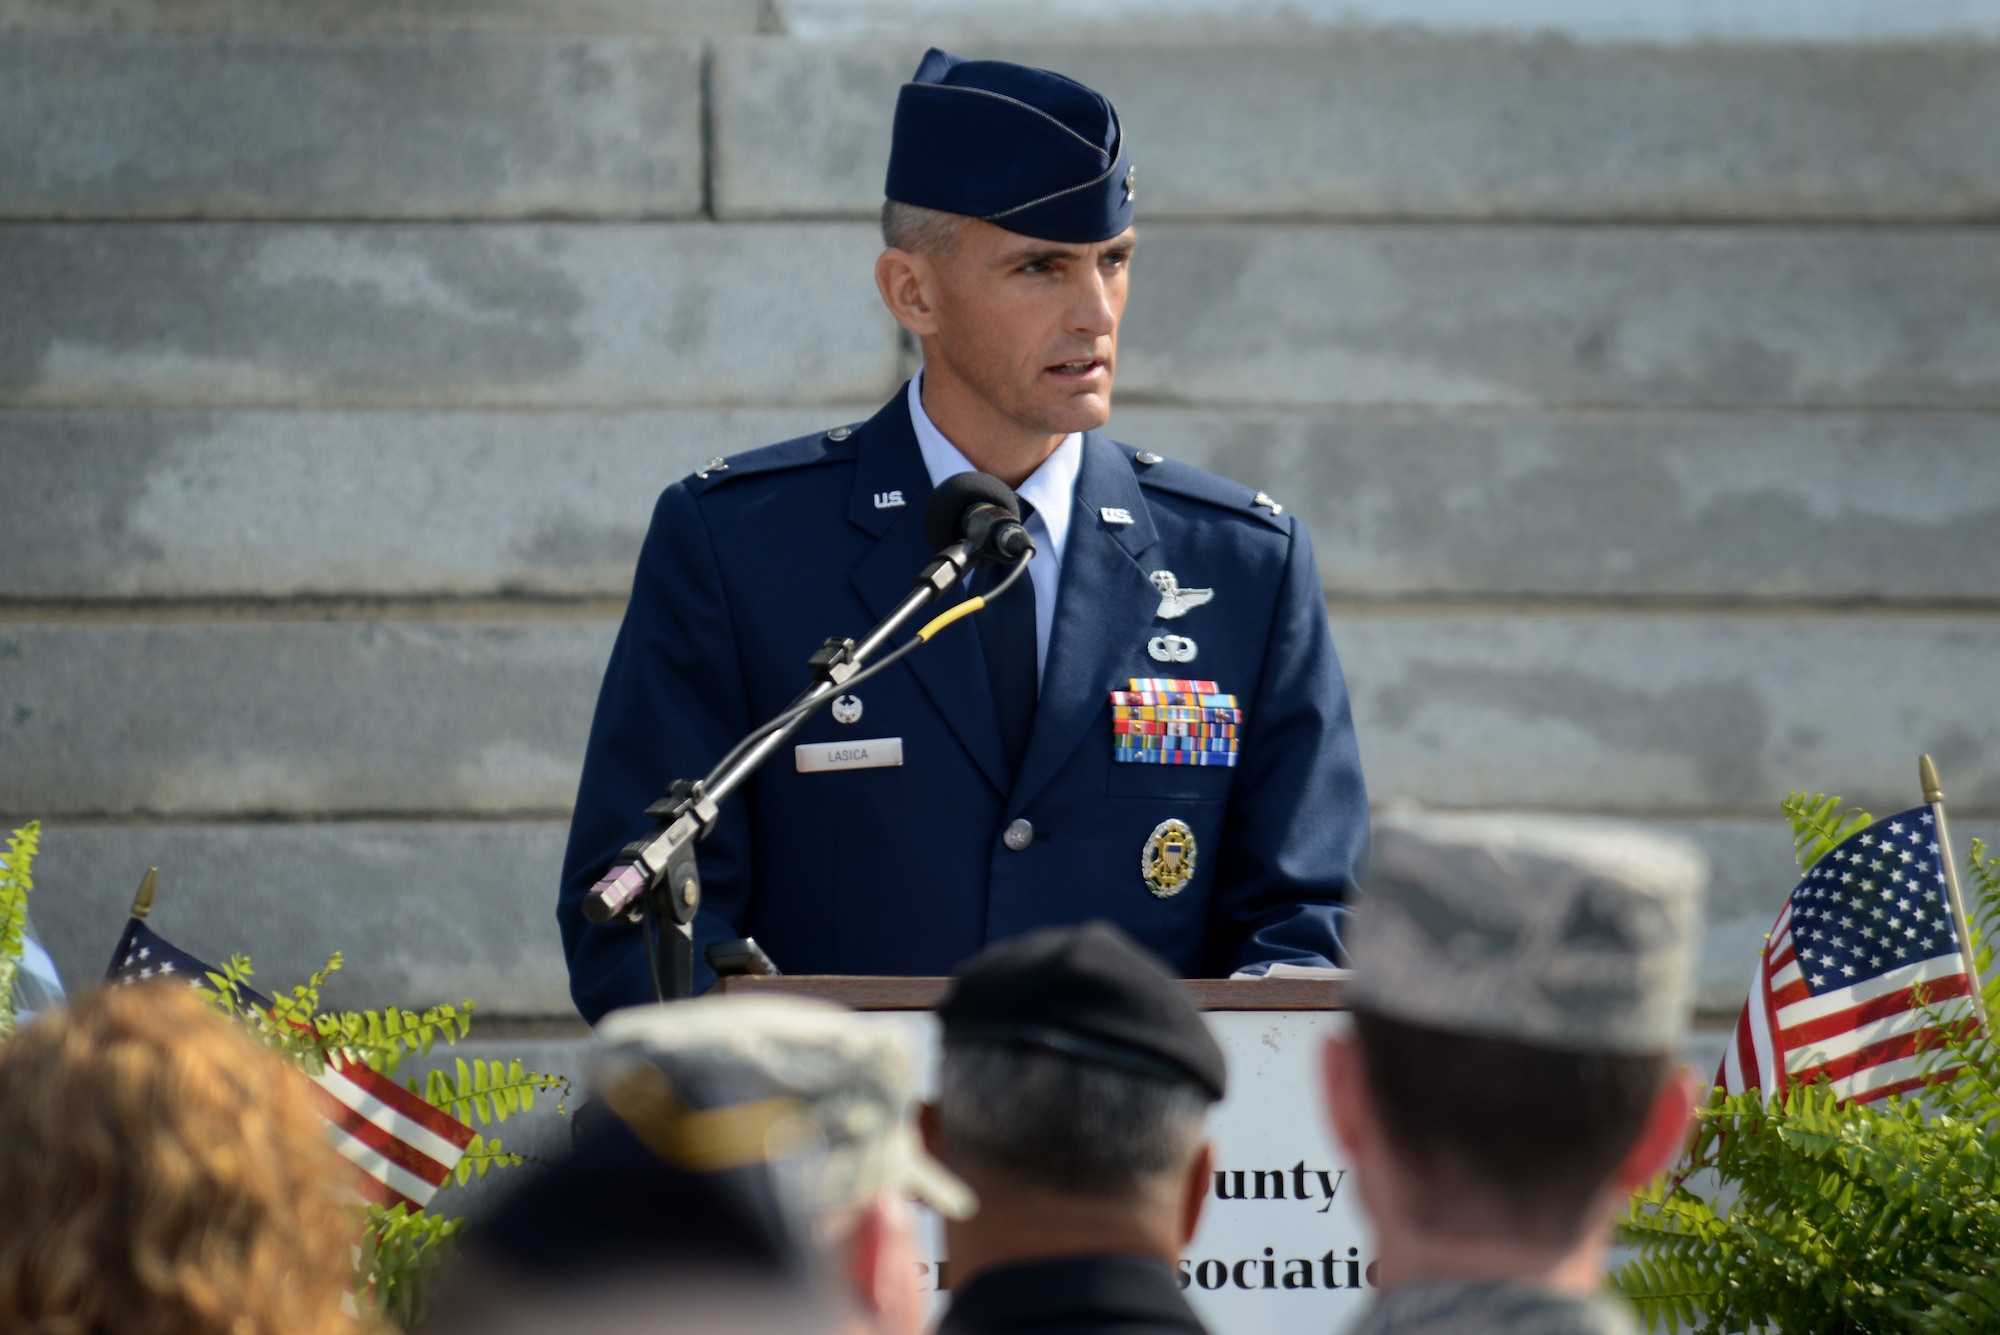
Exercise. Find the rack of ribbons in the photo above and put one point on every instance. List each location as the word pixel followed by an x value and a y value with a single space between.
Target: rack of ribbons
pixel 1174 721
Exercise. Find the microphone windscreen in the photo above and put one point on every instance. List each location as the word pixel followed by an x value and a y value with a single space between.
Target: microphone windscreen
pixel 945 514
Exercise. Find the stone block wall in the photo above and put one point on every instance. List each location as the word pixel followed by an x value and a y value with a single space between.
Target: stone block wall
pixel 1640 396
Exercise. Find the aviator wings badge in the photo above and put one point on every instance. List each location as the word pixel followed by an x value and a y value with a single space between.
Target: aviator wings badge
pixel 1174 600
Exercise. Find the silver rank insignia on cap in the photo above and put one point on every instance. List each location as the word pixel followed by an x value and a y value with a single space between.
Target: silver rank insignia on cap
pixel 847 709
pixel 1167 861
pixel 1130 173
pixel 1171 649
pixel 1176 602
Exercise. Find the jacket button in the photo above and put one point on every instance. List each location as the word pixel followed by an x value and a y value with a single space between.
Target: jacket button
pixel 1019 835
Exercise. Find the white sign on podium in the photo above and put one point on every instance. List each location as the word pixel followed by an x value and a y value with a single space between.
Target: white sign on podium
pixel 1283 1244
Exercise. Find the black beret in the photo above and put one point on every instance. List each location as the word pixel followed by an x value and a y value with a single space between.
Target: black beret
pixel 1090 992
pixel 1024 149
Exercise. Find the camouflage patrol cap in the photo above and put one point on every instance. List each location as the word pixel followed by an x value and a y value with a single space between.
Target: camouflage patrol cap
pixel 817 1090
pixel 1572 935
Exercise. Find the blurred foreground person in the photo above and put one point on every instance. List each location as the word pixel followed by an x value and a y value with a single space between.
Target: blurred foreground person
pixel 1519 996
pixel 160 1174
pixel 749 1173
pixel 1072 1095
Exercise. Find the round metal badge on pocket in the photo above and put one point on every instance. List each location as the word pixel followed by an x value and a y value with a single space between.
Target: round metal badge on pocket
pixel 1167 861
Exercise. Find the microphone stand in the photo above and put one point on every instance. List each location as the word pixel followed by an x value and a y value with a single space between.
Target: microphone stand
pixel 654 881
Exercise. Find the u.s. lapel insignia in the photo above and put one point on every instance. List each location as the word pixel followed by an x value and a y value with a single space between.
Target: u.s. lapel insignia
pixel 1174 600
pixel 1167 861
pixel 847 709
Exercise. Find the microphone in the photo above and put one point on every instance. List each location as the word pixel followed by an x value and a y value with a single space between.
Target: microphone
pixel 980 511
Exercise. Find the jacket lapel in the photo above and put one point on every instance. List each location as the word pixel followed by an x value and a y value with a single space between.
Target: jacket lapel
pixel 1105 606
pixel 950 668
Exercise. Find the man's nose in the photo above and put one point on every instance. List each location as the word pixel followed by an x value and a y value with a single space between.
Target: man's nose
pixel 1092 312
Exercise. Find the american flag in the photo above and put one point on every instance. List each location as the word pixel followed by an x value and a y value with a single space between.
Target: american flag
pixel 1862 975
pixel 403 1148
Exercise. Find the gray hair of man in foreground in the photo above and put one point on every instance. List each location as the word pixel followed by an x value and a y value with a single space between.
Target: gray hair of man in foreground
pixel 1066 1125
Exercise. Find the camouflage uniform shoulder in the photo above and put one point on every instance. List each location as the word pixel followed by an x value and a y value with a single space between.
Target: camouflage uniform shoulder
pixel 1488 1307
pixel 1157 473
pixel 822 447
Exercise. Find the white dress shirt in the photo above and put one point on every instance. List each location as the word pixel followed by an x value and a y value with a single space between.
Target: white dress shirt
pixel 1051 489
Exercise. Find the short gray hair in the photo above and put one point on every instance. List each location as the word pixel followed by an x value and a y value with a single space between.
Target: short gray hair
pixel 1062 1123
pixel 915 228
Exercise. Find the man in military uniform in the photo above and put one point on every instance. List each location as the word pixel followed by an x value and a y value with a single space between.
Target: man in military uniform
pixel 1150 728
pixel 748 1168
pixel 1072 1095
pixel 1519 998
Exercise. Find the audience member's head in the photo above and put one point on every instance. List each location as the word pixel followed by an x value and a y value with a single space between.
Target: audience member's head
pixel 821 1100
pixel 1073 1093
pixel 160 1174
pixel 1520 994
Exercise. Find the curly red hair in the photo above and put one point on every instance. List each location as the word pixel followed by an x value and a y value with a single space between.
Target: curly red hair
pixel 161 1174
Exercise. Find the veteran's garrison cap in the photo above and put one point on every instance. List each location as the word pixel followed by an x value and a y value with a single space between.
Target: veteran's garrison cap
pixel 1025 149
pixel 1088 992
pixel 823 1095
pixel 1577 936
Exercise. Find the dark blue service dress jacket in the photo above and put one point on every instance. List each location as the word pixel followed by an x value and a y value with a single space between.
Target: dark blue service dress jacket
pixel 902 870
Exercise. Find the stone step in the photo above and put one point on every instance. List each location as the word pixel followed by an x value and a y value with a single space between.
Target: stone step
pixel 256 504
pixel 1656 714
pixel 1403 123
pixel 332 17
pixel 616 315
pixel 354 127
pixel 427 912
pixel 441 316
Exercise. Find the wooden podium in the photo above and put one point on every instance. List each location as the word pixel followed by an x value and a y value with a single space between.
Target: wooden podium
pixel 922 994
pixel 1283 1243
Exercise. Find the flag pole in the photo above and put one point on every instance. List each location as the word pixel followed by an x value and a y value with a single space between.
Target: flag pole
pixel 1934 794
pixel 142 903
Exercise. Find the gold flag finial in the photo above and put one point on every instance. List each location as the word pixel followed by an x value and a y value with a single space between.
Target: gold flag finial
pixel 1927 776
pixel 142 903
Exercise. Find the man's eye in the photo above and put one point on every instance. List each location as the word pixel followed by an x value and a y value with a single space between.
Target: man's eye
pixel 1035 266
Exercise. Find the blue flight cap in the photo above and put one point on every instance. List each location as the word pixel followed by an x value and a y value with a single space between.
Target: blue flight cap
pixel 1021 148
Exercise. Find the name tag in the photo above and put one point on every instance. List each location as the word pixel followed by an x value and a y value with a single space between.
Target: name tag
pixel 869 753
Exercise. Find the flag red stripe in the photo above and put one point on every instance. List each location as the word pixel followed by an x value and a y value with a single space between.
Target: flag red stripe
pixel 400 1153
pixel 1902 1086
pixel 1880 1008
pixel 1790 994
pixel 1889 1049
pixel 439 1123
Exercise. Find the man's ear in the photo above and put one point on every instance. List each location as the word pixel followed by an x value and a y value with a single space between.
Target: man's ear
pixel 1344 1077
pixel 1194 1193
pixel 1665 1133
pixel 866 1245
pixel 906 281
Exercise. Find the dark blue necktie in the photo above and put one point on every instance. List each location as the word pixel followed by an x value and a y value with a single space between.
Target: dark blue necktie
pixel 1007 638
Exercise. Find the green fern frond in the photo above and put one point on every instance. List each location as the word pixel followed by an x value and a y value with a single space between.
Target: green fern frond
pixel 482 1156
pixel 17 879
pixel 487 1092
pixel 1819 825
pixel 399 1255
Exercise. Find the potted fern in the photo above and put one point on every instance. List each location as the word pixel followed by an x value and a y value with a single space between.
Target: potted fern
pixel 1806 1214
